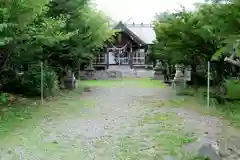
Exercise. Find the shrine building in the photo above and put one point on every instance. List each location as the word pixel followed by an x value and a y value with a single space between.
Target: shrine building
pixel 130 46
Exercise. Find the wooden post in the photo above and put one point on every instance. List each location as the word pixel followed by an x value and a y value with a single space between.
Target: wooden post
pixel 208 85
pixel 107 58
pixel 131 57
pixel 119 58
pixel 145 55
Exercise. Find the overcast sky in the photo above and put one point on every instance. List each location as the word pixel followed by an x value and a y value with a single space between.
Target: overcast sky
pixel 140 10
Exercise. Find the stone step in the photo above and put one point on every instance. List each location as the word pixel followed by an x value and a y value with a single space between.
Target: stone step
pixel 125 70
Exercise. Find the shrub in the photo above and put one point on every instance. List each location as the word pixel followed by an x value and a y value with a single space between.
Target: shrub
pixel 29 83
pixel 4 98
pixel 50 83
pixel 31 80
pixel 232 89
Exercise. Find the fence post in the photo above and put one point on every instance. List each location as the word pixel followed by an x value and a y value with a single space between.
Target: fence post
pixel 42 82
pixel 208 84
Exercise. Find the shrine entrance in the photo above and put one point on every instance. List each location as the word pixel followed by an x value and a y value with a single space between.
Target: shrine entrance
pixel 118 56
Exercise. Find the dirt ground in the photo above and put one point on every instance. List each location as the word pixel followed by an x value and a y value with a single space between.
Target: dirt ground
pixel 120 120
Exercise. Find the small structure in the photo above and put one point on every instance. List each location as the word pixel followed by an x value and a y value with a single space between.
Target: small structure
pixel 130 47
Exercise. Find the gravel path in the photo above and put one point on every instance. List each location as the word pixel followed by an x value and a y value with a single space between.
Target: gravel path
pixel 100 131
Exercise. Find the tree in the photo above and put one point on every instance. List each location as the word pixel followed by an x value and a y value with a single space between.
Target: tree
pixel 59 33
pixel 182 38
pixel 193 38
pixel 91 28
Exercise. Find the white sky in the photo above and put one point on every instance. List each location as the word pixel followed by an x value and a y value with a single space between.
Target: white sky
pixel 140 10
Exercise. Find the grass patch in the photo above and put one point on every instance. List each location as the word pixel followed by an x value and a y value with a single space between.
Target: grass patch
pixel 229 111
pixel 20 127
pixel 28 113
pixel 156 136
pixel 157 117
pixel 135 82
pixel 101 83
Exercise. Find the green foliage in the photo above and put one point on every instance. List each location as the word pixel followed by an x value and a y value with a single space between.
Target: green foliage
pixel 195 37
pixel 232 88
pixel 50 82
pixel 60 33
pixel 183 39
pixel 4 98
pixel 31 81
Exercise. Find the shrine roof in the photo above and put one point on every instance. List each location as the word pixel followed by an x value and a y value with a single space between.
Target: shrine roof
pixel 142 32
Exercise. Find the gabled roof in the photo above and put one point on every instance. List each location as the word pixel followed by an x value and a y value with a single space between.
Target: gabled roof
pixel 142 33
pixel 122 27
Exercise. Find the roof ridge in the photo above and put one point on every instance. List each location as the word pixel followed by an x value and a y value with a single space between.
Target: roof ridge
pixel 140 25
pixel 143 32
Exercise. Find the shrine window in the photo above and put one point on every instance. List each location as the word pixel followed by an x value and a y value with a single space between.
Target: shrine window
pixel 100 59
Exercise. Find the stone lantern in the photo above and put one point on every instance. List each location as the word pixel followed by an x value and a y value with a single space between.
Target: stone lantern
pixel 69 80
pixel 178 73
pixel 179 77
pixel 158 68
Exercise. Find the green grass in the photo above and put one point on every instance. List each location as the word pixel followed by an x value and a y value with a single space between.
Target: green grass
pixel 169 136
pixel 191 99
pixel 164 137
pixel 19 123
pixel 20 127
pixel 140 82
pixel 153 137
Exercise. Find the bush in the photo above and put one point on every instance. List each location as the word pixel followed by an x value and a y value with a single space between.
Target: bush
pixel 232 89
pixel 50 83
pixel 4 98
pixel 31 80
pixel 29 83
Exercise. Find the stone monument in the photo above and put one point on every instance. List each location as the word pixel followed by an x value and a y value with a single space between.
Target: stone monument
pixel 158 69
pixel 178 79
pixel 69 80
